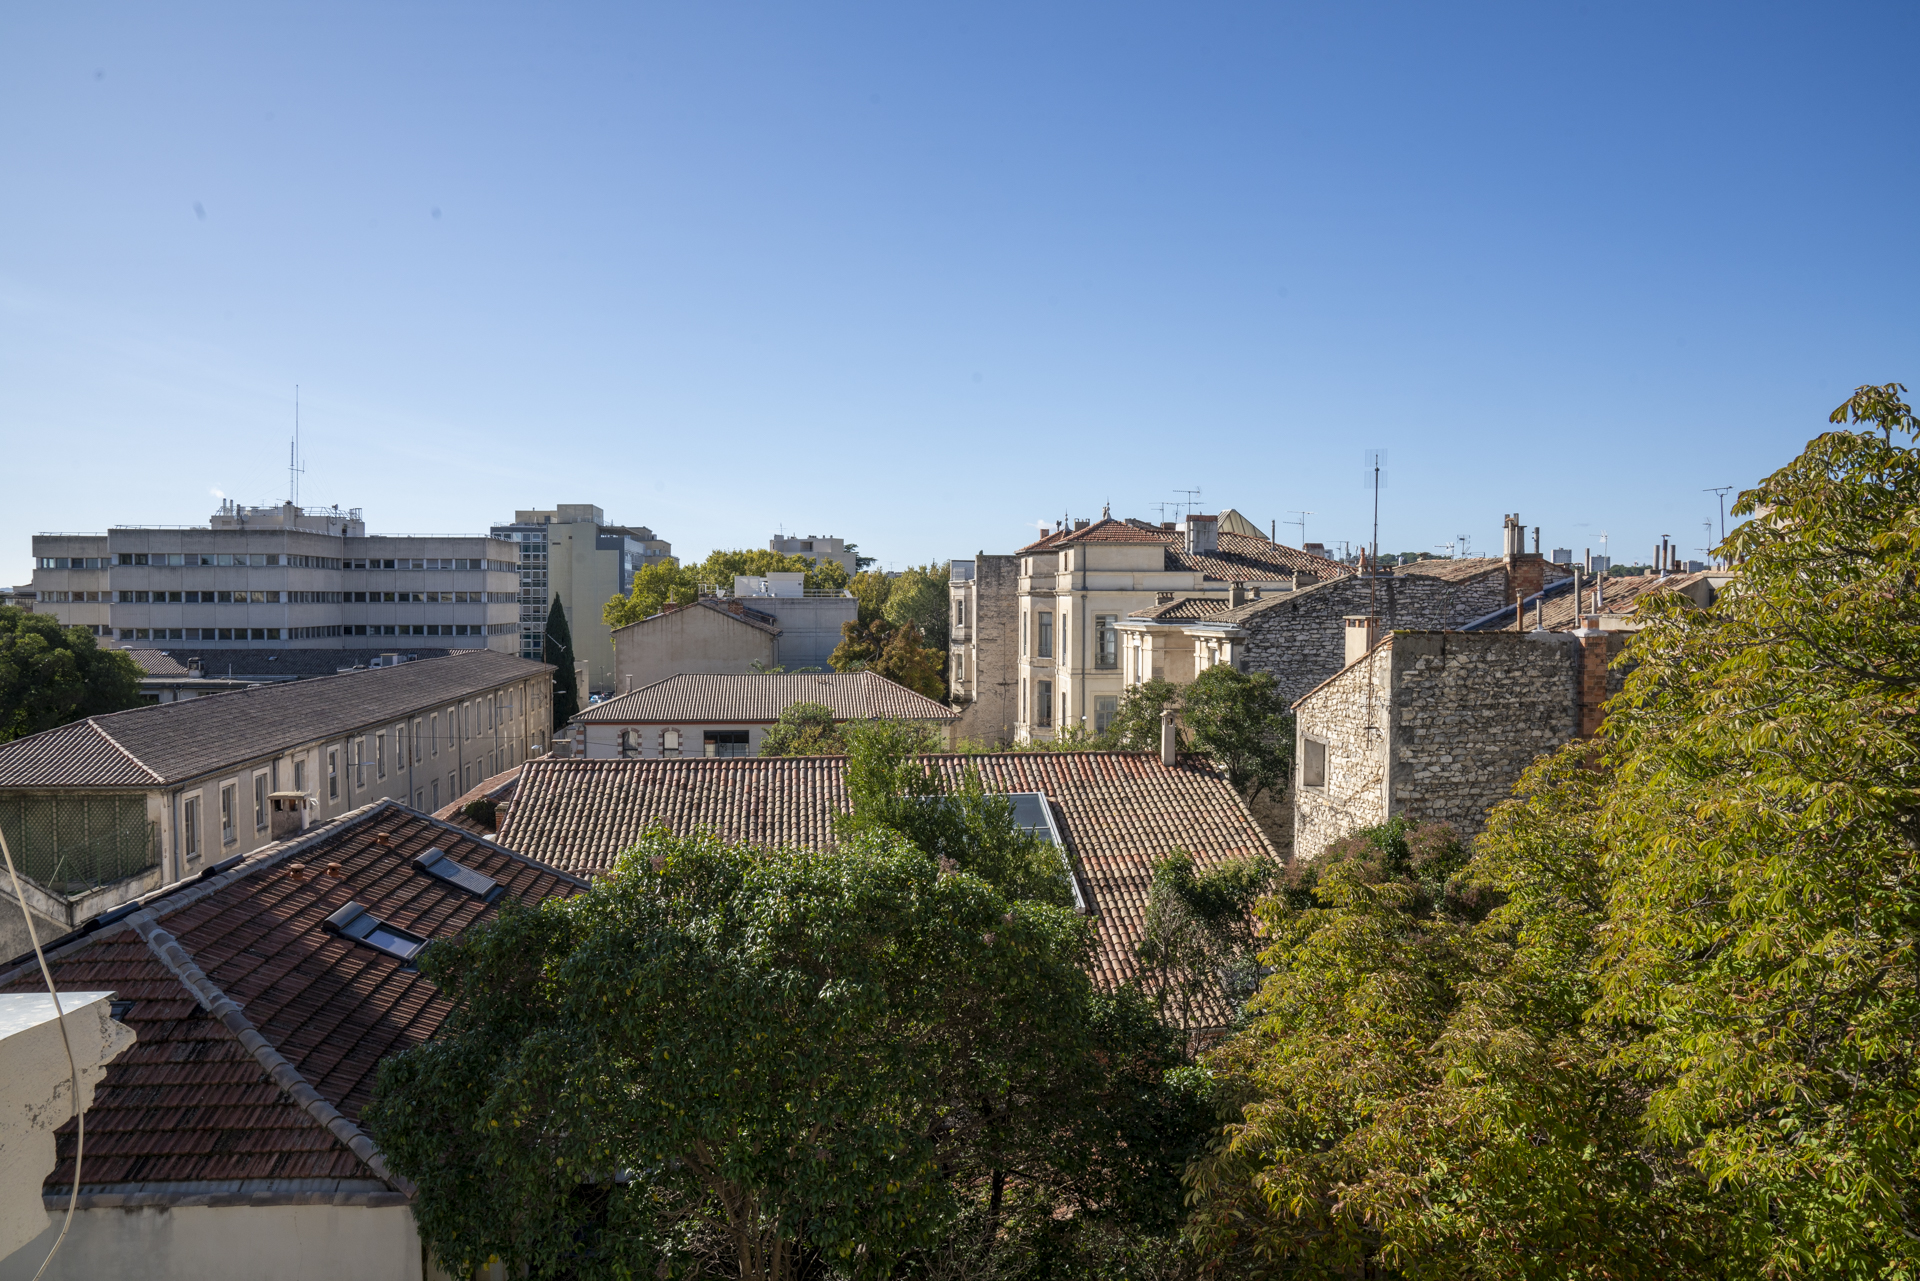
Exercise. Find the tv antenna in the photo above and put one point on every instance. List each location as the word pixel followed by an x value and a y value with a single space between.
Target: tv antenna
pixel 1191 501
pixel 294 467
pixel 1721 492
pixel 1302 523
pixel 1376 475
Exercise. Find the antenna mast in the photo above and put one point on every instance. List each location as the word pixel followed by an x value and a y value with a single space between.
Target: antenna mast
pixel 1302 523
pixel 293 453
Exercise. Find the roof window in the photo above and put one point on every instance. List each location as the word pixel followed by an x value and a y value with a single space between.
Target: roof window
pixel 1032 815
pixel 354 921
pixel 437 863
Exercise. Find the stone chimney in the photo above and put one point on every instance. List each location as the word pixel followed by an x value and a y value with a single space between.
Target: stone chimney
pixel 1236 594
pixel 1362 631
pixel 1304 579
pixel 1203 535
pixel 1169 738
pixel 1526 571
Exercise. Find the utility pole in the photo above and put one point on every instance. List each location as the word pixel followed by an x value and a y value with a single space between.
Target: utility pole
pixel 1375 460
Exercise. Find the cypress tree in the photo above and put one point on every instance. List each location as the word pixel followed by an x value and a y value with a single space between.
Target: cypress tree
pixel 559 652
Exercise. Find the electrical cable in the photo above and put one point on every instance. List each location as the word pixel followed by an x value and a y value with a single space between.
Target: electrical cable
pixel 79 1115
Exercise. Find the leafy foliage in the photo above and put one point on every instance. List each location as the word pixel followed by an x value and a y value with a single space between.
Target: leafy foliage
pixel 896 653
pixel 51 676
pixel 558 651
pixel 668 582
pixel 967 828
pixel 655 587
pixel 1198 948
pixel 812 1058
pixel 804 729
pixel 1242 723
pixel 917 597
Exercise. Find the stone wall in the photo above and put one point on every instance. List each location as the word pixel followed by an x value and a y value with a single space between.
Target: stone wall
pixel 1471 711
pixel 1301 639
pixel 1349 715
pixel 992 643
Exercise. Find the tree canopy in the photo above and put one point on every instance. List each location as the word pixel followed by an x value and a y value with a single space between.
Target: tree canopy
pixel 804 729
pixel 668 582
pixel 52 675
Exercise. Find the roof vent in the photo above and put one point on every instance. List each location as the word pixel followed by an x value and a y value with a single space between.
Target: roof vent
pixel 438 864
pixel 355 922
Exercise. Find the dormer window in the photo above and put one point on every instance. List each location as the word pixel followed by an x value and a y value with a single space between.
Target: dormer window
pixel 354 921
pixel 437 863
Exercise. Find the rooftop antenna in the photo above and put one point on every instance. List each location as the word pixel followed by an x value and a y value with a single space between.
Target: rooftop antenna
pixel 1376 462
pixel 293 454
pixel 1466 545
pixel 1302 523
pixel 1721 492
pixel 1191 501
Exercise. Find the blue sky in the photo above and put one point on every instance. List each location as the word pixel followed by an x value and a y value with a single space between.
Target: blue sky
pixel 922 276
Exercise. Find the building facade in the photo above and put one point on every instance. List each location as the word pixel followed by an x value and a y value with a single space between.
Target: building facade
pixel 983 638
pixel 729 714
pixel 275 578
pixel 572 553
pixel 819 548
pixel 1077 585
pixel 109 808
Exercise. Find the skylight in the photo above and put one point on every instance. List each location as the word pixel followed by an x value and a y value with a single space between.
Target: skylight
pixel 437 863
pixel 354 921
pixel 1032 814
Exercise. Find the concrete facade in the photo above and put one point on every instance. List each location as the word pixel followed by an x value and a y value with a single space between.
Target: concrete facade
pixel 702 637
pixel 820 548
pixel 1438 726
pixel 278 578
pixel 983 636
pixel 571 552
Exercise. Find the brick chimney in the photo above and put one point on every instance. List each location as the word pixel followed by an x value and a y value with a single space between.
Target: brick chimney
pixel 1593 674
pixel 1526 571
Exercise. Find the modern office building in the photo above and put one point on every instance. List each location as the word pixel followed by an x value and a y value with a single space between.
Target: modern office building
pixel 571 552
pixel 281 577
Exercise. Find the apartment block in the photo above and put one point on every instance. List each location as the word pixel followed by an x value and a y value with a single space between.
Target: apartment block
pixel 573 553
pixel 281 577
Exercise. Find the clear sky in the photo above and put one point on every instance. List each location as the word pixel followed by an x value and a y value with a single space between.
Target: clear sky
pixel 925 275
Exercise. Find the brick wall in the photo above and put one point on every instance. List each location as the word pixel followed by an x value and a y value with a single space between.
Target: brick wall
pixel 1301 638
pixel 992 642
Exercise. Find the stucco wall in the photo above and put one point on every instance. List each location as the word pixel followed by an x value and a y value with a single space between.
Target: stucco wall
pixel 229 1243
pixel 695 639
pixel 1349 715
pixel 809 627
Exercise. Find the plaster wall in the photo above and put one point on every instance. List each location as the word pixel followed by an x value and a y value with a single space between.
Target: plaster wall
pixel 694 639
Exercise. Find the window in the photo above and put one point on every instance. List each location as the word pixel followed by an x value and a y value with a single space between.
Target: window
pixel 433 743
pixel 669 742
pixel 1313 765
pixel 959 611
pixel 380 754
pixel 1043 699
pixel 228 803
pixel 1106 640
pixel 726 742
pixel 259 802
pixel 333 774
pixel 1023 635
pixel 1105 707
pixel 1046 634
pixel 190 827
pixel 300 774
pixel 417 728
pixel 355 922
pixel 436 863
pixel 436 796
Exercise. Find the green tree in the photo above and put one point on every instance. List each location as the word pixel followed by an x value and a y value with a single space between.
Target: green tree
pixel 804 729
pixel 1198 945
pixel 50 675
pixel 1136 725
pixel 896 653
pixel 801 1055
pixel 872 589
pixel 655 587
pixel 558 651
pixel 1243 724
pixel 918 597
pixel 891 789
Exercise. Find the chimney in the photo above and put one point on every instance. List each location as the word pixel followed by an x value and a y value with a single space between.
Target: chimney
pixel 1169 738
pixel 1526 571
pixel 1079 524
pixel 1593 675
pixel 1203 535
pixel 1236 594
pixel 1362 630
pixel 1304 579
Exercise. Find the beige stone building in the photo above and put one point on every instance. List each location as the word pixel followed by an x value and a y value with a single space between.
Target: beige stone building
pixel 983 639
pixel 573 553
pixel 109 808
pixel 1076 586
pixel 709 635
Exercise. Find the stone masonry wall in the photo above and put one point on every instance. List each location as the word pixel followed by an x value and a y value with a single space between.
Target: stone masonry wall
pixel 1471 710
pixel 1348 714
pixel 1302 641
pixel 993 624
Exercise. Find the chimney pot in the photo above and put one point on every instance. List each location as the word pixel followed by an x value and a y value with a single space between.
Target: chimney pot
pixel 1169 738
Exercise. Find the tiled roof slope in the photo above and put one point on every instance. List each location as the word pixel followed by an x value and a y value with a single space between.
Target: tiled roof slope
pixel 156 662
pixel 169 742
pixel 761 697
pixel 751 617
pixel 499 788
pixel 1240 558
pixel 188 1102
pixel 1619 596
pixel 291 663
pixel 1186 609
pixel 1118 812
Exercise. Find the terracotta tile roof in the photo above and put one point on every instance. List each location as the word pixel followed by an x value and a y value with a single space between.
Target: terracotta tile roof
pixel 1240 557
pixel 1117 811
pixel 754 698
pixel 156 662
pixel 499 788
pixel 728 608
pixel 1620 598
pixel 189 1102
pixel 1459 570
pixel 168 742
pixel 1186 609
